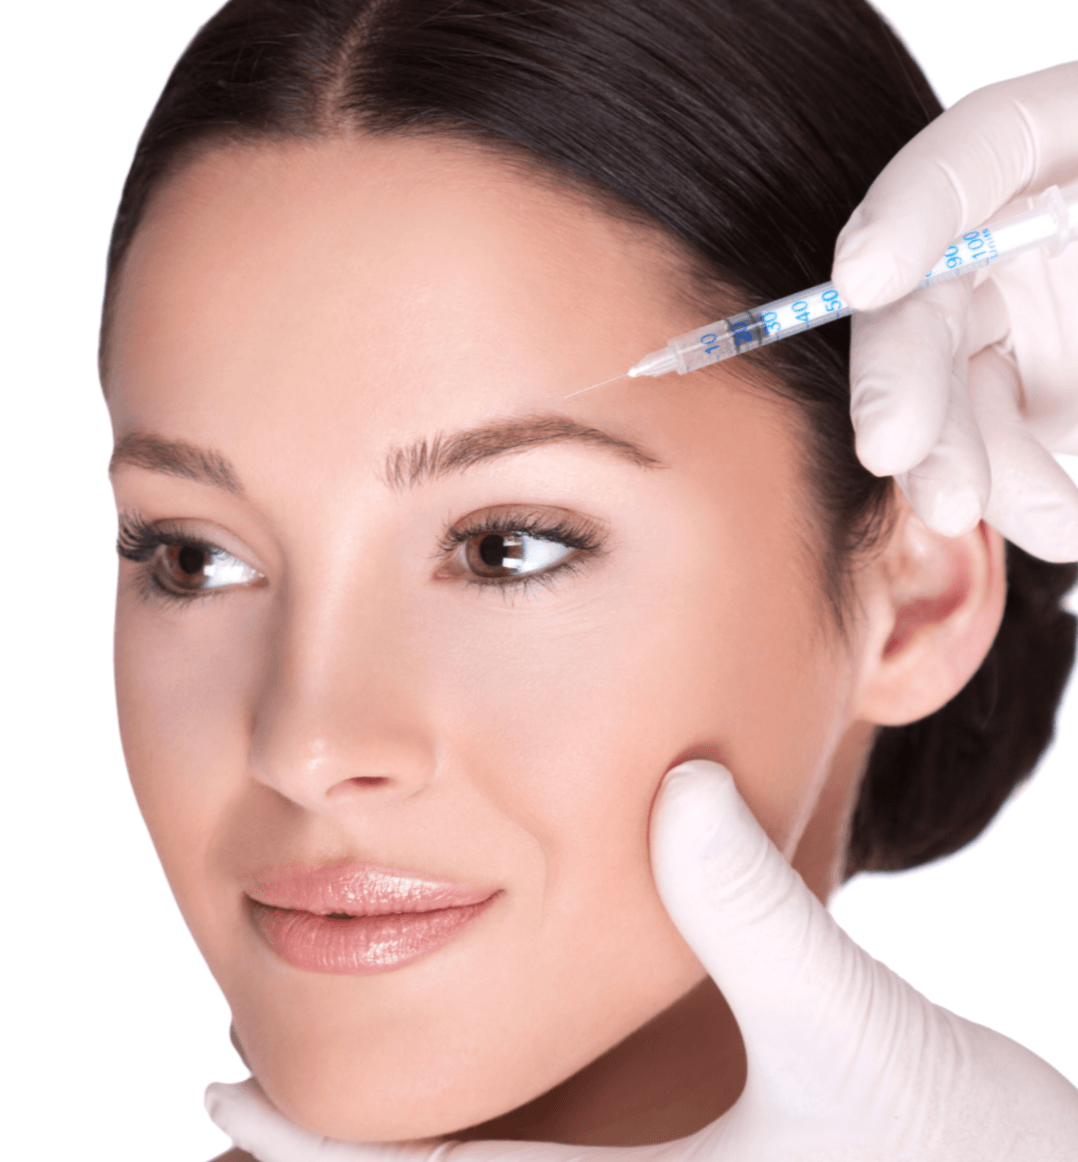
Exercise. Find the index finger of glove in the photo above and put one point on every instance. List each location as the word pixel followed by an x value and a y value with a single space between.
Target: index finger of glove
pixel 901 364
pixel 254 1124
pixel 1007 139
pixel 1033 503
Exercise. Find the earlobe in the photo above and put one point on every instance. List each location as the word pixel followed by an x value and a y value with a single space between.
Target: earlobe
pixel 934 608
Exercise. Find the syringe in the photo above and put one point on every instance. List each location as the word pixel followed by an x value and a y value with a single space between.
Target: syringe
pixel 1052 223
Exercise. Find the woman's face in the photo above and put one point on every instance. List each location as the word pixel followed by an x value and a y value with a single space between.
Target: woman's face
pixel 402 612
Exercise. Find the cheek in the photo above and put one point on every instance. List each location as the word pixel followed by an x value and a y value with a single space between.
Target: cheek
pixel 548 710
pixel 571 720
pixel 183 685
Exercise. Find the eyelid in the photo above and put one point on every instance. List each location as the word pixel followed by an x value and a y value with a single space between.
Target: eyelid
pixel 135 531
pixel 535 520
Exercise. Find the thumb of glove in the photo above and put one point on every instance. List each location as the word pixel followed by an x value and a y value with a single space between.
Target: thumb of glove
pixel 803 993
pixel 845 1059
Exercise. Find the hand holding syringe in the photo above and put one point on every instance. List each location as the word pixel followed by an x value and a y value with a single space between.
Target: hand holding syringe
pixel 1052 223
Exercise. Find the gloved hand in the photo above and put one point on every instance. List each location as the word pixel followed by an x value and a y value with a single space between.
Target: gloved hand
pixel 962 390
pixel 846 1062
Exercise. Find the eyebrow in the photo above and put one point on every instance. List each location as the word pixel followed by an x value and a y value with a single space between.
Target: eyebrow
pixel 428 459
pixel 177 458
pixel 405 467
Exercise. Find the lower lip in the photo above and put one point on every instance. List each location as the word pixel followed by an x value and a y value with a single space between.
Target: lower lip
pixel 360 945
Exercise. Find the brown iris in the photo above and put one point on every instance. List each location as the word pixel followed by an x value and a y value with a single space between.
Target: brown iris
pixel 495 554
pixel 183 566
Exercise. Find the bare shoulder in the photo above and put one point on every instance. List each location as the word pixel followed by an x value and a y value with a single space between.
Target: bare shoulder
pixel 234 1155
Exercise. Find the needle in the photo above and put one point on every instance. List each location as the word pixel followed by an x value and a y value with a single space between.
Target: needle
pixel 594 386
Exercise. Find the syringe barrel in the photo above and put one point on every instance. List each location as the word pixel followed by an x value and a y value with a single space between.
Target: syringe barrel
pixel 757 327
pixel 1051 223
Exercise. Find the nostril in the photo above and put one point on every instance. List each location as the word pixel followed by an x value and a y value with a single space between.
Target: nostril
pixel 357 785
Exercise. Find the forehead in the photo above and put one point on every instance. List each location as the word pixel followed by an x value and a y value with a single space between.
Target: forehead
pixel 303 309
pixel 342 265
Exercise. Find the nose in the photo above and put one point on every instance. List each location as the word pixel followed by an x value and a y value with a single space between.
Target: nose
pixel 338 712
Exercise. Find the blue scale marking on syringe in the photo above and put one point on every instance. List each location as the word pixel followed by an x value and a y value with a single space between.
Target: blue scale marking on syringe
pixel 756 327
pixel 972 251
pixel 753 328
pixel 822 304
pixel 1052 223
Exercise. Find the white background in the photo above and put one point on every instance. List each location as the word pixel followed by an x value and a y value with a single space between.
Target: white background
pixel 112 1026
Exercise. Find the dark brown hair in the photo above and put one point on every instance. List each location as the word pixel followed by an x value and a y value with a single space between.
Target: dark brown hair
pixel 748 130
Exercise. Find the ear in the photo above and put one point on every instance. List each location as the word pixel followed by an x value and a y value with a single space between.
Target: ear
pixel 934 605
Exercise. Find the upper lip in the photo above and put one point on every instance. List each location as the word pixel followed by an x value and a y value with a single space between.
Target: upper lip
pixel 359 889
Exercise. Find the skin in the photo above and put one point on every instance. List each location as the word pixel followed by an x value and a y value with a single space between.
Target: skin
pixel 301 311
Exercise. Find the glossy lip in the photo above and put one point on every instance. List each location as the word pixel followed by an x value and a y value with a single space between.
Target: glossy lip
pixel 358 919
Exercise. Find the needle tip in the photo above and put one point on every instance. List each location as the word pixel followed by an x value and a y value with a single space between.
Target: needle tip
pixel 595 385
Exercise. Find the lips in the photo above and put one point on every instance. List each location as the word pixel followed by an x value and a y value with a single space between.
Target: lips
pixel 359 919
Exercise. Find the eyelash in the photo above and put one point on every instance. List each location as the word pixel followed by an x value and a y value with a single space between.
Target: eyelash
pixel 138 541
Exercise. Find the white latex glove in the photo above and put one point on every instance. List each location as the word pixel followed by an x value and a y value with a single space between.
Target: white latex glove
pixel 962 390
pixel 846 1062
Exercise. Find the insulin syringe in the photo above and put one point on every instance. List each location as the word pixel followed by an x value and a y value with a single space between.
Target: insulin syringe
pixel 1052 223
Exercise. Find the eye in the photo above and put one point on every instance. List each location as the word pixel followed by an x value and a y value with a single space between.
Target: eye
pixel 492 555
pixel 192 568
pixel 177 565
pixel 510 547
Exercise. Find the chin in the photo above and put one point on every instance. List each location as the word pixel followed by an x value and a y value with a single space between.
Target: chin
pixel 417 1107
pixel 382 1087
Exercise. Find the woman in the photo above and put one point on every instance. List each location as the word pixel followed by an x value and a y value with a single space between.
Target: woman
pixel 403 633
